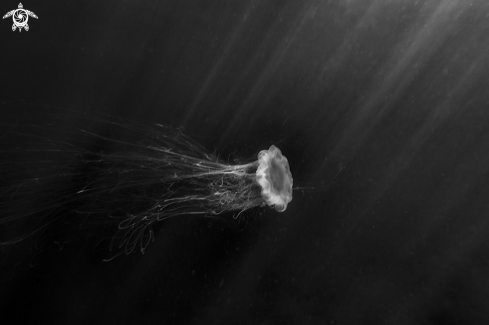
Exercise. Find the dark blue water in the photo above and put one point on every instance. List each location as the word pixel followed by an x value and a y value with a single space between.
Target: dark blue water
pixel 380 107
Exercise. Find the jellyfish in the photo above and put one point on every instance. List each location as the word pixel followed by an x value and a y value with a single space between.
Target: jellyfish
pixel 134 176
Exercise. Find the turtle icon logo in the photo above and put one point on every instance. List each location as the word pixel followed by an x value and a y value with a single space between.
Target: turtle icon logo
pixel 20 17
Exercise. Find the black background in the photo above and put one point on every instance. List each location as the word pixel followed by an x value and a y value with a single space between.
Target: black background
pixel 382 106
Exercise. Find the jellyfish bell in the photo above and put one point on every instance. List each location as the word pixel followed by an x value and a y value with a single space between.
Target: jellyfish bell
pixel 274 176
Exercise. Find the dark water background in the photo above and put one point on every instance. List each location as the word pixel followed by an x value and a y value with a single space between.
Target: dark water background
pixel 380 105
